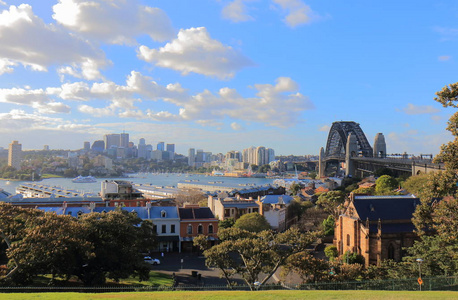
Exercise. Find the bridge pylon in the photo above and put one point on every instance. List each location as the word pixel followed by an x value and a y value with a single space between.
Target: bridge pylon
pixel 351 151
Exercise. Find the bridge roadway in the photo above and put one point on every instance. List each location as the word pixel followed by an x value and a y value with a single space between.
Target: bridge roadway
pixel 409 166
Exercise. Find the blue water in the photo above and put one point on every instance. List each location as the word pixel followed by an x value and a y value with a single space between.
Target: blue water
pixel 154 179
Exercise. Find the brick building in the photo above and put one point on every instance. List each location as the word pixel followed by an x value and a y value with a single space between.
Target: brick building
pixel 376 227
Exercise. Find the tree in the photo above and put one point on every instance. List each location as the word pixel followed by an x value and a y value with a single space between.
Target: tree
pixel 253 222
pixel 385 185
pixel 252 255
pixel 331 201
pixel 416 184
pixel 92 247
pixel 226 223
pixel 331 252
pixel 118 239
pixel 384 171
pixel 328 225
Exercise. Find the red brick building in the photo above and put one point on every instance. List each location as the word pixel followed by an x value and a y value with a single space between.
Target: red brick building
pixel 194 221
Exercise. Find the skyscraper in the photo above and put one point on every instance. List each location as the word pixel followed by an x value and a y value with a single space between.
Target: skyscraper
pixel 142 148
pixel 160 146
pixel 87 146
pixel 192 157
pixel 15 155
pixel 171 151
pixel 113 139
pixel 124 140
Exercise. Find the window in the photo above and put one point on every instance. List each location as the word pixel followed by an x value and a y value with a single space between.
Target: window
pixel 155 228
pixel 69 213
pixel 163 214
pixel 227 213
pixel 164 228
pixel 391 252
pixel 80 213
pixel 210 228
pixel 172 228
pixel 200 229
pixel 348 240
pixel 255 209
pixel 189 229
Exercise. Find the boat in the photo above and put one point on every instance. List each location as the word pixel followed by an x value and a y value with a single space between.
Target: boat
pixel 82 179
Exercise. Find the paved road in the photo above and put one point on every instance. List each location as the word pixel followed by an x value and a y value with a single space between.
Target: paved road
pixel 171 263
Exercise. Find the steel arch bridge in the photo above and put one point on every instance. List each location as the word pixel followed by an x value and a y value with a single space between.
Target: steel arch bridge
pixel 337 141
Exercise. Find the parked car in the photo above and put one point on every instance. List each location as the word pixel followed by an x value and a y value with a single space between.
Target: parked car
pixel 152 261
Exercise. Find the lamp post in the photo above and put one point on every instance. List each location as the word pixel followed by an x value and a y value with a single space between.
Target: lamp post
pixel 420 281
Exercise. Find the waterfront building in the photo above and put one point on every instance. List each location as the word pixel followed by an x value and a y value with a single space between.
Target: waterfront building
pixel 191 157
pixel 98 146
pixel 15 155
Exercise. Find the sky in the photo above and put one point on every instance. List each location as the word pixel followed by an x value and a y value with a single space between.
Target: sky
pixel 224 75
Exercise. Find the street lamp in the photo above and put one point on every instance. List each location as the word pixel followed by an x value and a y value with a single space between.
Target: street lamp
pixel 420 281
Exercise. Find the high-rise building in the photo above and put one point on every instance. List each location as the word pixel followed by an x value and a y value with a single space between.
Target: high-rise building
pixel 46 147
pixel 160 146
pixel 142 149
pixel 98 146
pixel 124 140
pixel 15 155
pixel 113 139
pixel 171 151
pixel 87 146
pixel 192 157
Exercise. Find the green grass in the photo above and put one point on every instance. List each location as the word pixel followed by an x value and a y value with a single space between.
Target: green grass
pixel 46 176
pixel 155 279
pixel 235 295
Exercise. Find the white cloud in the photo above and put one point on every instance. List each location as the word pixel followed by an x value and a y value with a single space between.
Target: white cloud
pixel 236 11
pixel 115 21
pixel 297 12
pixel 325 128
pixel 236 126
pixel 195 51
pixel 444 57
pixel 412 109
pixel 37 99
pixel 26 39
pixel 5 66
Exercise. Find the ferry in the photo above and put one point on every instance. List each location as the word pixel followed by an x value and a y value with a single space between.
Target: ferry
pixel 81 179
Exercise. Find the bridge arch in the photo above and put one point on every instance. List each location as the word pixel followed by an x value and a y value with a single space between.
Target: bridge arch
pixel 337 140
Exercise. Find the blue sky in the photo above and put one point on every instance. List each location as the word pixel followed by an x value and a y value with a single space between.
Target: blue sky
pixel 226 75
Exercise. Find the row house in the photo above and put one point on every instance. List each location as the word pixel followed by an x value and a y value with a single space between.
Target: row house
pixel 175 227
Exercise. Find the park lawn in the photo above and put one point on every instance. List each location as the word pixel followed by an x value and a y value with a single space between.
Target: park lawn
pixel 155 279
pixel 46 176
pixel 234 295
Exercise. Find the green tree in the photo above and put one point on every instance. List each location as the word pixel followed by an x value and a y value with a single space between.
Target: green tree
pixel 226 223
pixel 253 222
pixel 328 225
pixel 252 255
pixel 416 184
pixel 385 185
pixel 331 202
pixel 331 252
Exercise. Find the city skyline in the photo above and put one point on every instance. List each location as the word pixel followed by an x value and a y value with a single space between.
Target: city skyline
pixel 225 75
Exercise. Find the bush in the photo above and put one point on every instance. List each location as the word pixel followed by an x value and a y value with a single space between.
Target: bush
pixel 328 225
pixel 353 258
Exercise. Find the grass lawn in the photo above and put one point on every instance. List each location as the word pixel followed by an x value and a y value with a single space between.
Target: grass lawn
pixel 217 295
pixel 155 279
pixel 45 176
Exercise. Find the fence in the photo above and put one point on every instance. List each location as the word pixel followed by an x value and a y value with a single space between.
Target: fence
pixel 430 284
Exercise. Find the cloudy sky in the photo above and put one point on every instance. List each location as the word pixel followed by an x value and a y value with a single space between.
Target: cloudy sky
pixel 226 74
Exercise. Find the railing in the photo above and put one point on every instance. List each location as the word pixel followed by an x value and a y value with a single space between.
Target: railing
pixel 429 284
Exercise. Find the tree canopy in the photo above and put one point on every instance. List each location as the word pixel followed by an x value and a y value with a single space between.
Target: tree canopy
pixel 253 222
pixel 254 256
pixel 385 185
pixel 92 247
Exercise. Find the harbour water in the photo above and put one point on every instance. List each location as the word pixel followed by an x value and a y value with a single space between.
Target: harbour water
pixel 142 178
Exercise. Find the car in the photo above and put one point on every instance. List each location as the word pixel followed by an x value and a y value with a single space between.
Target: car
pixel 152 261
